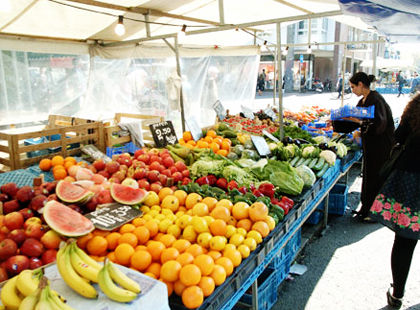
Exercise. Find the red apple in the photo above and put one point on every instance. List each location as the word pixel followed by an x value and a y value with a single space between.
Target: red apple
pixel 3 275
pixel 49 256
pixel 8 248
pixel 32 247
pixel 168 161
pixel 186 173
pixel 99 164
pixel 112 167
pixel 27 213
pixel 32 220
pixel 180 166
pixel 120 175
pixel 114 179
pixel 10 189
pixel 144 158
pixel 92 168
pixel 17 235
pixel 2 236
pixel 35 231
pixel 155 166
pixel 153 176
pixel 13 220
pixel 163 179
pixel 153 151
pixel 177 176
pixel 173 169
pixel 25 194
pixel 125 160
pixel 4 197
pixel 39 190
pixel 140 173
pixel 11 206
pixel 91 204
pixel 139 152
pixel 51 240
pixel 104 173
pixel 52 197
pixel 143 183
pixel 166 172
pixel 38 202
pixel 16 264
pixel 76 208
pixel 35 263
pixel 105 197
pixel 154 158
pixel 156 187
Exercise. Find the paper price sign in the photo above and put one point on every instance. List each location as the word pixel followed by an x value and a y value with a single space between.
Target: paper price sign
pixel 220 110
pixel 163 133
pixel 270 136
pixel 261 145
pixel 248 112
pixel 113 215
pixel 196 131
pixel 270 113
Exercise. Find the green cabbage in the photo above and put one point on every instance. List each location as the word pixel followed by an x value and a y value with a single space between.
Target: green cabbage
pixel 307 175
pixel 290 184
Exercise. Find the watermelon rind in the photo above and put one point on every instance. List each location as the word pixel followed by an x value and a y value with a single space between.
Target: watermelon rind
pixel 66 221
pixel 127 195
pixel 70 193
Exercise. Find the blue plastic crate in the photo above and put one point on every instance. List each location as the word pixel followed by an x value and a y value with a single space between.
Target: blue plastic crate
pixel 127 148
pixel 316 216
pixel 45 139
pixel 267 290
pixel 332 173
pixel 337 201
pixel 21 177
pixel 350 111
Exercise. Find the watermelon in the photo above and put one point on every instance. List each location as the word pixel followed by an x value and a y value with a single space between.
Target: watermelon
pixel 127 195
pixel 66 221
pixel 71 193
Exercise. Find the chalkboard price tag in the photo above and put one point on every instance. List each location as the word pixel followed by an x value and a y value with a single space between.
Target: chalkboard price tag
pixel 270 136
pixel 269 111
pixel 261 145
pixel 112 215
pixel 248 112
pixel 163 133
pixel 196 131
pixel 220 110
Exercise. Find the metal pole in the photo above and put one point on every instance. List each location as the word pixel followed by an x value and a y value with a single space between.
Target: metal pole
pixel 343 69
pixel 178 70
pixel 280 79
pixel 221 12
pixel 375 52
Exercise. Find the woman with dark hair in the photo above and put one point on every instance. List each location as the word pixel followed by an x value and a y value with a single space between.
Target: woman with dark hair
pixel 398 205
pixel 377 138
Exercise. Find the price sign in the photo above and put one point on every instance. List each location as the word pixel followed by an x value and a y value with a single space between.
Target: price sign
pixel 270 136
pixel 261 145
pixel 220 110
pixel 163 133
pixel 196 131
pixel 93 152
pixel 269 111
pixel 113 215
pixel 248 112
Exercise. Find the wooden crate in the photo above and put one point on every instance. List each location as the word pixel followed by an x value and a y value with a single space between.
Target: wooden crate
pixel 27 146
pixel 111 132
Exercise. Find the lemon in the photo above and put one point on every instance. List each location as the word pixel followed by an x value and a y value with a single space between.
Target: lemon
pixel 179 214
pixel 218 243
pixel 200 225
pixel 242 231
pixel 228 247
pixel 171 217
pixel 164 225
pixel 147 217
pixel 203 239
pixel 174 230
pixel 145 209
pixel 255 235
pixel 153 213
pixel 166 211
pixel 250 243
pixel 209 219
pixel 185 220
pixel 244 250
pixel 236 239
pixel 230 231
pixel 160 217
pixel 189 234
pixel 151 199
pixel 155 207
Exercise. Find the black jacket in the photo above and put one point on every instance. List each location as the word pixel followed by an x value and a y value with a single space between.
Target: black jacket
pixel 410 158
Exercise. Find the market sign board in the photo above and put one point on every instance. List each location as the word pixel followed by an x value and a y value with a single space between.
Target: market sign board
pixel 261 145
pixel 270 136
pixel 247 112
pixel 269 111
pixel 163 134
pixel 220 110
pixel 196 131
pixel 112 215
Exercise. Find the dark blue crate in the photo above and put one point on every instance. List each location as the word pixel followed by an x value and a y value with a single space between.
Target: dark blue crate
pixel 316 216
pixel 45 139
pixel 350 111
pixel 293 245
pixel 337 201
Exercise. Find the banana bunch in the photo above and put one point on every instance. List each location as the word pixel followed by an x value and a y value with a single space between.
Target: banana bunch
pixel 43 298
pixel 110 276
pixel 78 269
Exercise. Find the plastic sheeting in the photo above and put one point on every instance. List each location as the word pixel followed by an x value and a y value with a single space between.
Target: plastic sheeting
pixel 399 20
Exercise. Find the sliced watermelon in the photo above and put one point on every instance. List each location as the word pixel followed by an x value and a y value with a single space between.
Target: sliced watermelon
pixel 65 220
pixel 127 195
pixel 71 193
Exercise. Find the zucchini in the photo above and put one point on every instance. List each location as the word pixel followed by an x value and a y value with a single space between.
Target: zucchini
pixel 306 161
pixel 321 172
pixel 300 162
pixel 313 163
pixel 294 161
pixel 320 163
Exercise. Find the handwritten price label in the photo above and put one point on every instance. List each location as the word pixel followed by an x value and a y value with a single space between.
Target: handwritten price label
pixel 113 215
pixel 163 133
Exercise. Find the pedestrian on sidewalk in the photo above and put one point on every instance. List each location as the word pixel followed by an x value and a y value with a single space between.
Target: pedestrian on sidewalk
pixel 401 82
pixel 398 205
pixel 377 138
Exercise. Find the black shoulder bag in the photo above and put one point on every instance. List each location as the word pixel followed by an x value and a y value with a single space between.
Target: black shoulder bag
pixel 396 152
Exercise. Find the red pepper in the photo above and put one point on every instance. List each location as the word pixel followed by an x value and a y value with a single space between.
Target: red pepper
pixel 202 181
pixel 288 202
pixel 285 208
pixel 243 189
pixel 267 189
pixel 274 200
pixel 252 187
pixel 257 193
pixel 212 179
pixel 232 184
pixel 186 181
pixel 222 183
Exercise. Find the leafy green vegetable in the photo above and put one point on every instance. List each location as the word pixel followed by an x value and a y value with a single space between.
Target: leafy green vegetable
pixel 295 132
pixel 239 175
pixel 206 166
pixel 287 183
pixel 306 174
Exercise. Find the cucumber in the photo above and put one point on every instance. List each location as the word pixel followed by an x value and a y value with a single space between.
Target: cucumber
pixel 294 161
pixel 313 163
pixel 321 172
pixel 320 163
pixel 300 162
pixel 306 161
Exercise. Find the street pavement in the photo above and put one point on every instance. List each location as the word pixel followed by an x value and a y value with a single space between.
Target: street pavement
pixel 348 264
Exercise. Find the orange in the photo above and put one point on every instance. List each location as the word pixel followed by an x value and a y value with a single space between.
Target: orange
pixel 149 274
pixel 68 164
pixel 234 255
pixel 195 249
pixel 228 141
pixel 211 133
pixel 154 268
pixel 190 275
pixel 97 245
pixel 158 236
pixel 127 228
pixel 258 211
pixel 218 227
pixel 165 191
pixel 225 146
pixel 220 212
pixel 214 147
pixel 202 144
pixel 262 228
pixel 142 234
pixel 123 253
pixel 191 142
pixel 170 202
pixel 138 221
pixel 208 139
pixel 200 209
pixel 70 159
pixel 206 264
pixel 181 141
pixel 153 228
pixel 207 285
pixel 168 240
pixel 140 247
pixel 57 160
pixel 69 179
pixel 225 203
pixel 218 275
pixel 111 257
pixel 82 241
pixel 59 174
pixel 99 232
pixel 179 287
pixel 214 254
pixel 181 245
pixel 187 136
pixel 192 297
pixel 245 223
pixel 181 195
pixel 156 248
pixel 192 199
pixel 56 167
pixel 240 210
pixel 140 260
pixel 170 270
pixel 226 263
pixel 185 258
pixel 169 285
pixel 169 254
pixel 129 238
pixel 210 202
pixel 45 164
pixel 112 240
pixel 222 152
pixel 218 140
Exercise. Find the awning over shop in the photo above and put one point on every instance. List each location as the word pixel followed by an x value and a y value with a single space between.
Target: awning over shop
pixel 387 64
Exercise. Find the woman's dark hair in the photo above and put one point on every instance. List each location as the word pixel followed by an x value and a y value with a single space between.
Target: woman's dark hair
pixel 411 113
pixel 362 77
